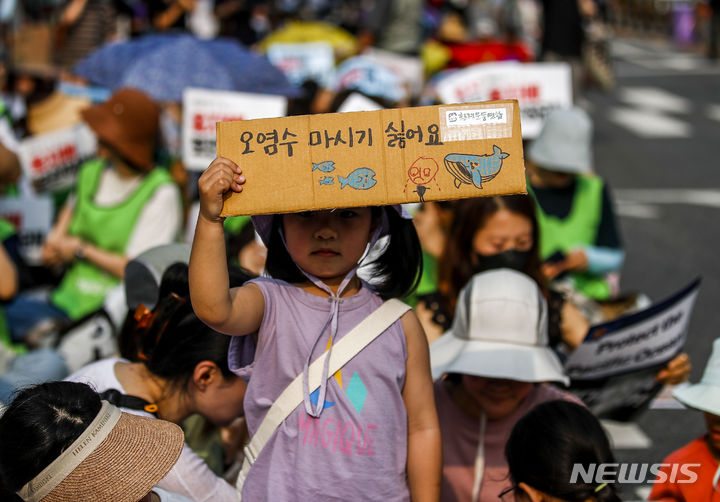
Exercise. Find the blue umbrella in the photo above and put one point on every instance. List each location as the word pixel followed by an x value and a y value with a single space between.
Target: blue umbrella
pixel 164 65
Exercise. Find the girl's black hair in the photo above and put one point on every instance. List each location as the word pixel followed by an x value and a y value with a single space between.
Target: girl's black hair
pixel 395 272
pixel 171 340
pixel 546 443
pixel 38 425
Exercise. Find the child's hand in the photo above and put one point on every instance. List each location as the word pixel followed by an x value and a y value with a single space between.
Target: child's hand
pixel 220 177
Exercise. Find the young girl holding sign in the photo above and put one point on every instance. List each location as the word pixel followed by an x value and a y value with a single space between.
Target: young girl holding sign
pixel 366 431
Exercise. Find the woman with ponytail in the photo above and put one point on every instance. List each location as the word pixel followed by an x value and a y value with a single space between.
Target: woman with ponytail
pixel 180 369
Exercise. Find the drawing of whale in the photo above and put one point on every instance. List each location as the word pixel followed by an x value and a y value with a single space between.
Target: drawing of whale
pixel 475 169
pixel 360 179
pixel 326 167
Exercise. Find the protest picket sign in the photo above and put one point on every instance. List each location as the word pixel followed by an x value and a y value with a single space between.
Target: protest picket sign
pixel 203 108
pixel 410 68
pixel 613 370
pixel 374 158
pixel 51 161
pixel 357 102
pixel 538 87
pixel 303 61
pixel 32 217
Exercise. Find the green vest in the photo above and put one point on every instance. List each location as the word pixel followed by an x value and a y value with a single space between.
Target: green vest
pixel 6 230
pixel 428 279
pixel 578 228
pixel 10 190
pixel 84 286
pixel 5 113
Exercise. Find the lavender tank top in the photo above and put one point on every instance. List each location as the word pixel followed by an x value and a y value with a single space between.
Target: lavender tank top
pixel 357 448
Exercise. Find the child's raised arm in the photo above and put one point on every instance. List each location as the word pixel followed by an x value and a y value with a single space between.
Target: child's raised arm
pixel 238 311
pixel 424 457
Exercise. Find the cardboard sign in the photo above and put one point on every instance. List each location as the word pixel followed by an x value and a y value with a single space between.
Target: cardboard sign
pixel 303 61
pixel 50 161
pixel 374 158
pixel 613 370
pixel 33 220
pixel 538 87
pixel 203 108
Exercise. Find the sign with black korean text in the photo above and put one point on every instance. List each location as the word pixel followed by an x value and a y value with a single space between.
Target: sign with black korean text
pixel 375 157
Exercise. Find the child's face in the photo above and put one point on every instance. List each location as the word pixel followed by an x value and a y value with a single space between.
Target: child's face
pixel 328 244
pixel 497 397
pixel 713 427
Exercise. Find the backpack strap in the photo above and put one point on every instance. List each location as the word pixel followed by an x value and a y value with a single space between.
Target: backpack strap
pixel 346 348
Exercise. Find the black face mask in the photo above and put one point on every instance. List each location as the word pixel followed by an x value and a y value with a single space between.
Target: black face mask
pixel 512 259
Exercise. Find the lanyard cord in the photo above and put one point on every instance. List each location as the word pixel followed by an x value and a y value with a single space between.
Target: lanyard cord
pixel 716 477
pixel 332 321
pixel 479 459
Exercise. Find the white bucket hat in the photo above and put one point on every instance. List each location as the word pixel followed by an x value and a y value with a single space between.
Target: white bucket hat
pixel 705 395
pixel 143 274
pixel 565 142
pixel 499 331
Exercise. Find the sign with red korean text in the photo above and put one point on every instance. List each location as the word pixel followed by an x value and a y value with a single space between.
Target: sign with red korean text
pixel 538 87
pixel 203 108
pixel 51 161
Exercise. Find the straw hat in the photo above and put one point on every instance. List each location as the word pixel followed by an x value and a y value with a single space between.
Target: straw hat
pixel 119 458
pixel 128 122
pixel 57 111
pixel 499 331
pixel 705 395
pixel 564 143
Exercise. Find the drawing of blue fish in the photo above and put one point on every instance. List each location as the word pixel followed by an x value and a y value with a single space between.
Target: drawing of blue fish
pixel 327 167
pixel 475 169
pixel 327 180
pixel 360 179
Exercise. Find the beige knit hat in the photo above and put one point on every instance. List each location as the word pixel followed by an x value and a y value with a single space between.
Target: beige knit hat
pixel 119 458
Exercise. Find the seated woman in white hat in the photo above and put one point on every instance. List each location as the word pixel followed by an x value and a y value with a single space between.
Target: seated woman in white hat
pixel 495 360
pixel 60 442
pixel 703 453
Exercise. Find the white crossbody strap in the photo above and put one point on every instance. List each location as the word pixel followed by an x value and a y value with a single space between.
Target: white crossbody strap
pixel 344 350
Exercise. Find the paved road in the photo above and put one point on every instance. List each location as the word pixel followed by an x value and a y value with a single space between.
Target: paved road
pixel 657 143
